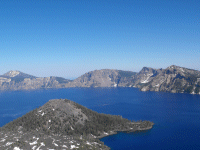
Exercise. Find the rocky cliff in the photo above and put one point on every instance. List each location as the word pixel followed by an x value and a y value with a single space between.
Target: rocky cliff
pixel 16 80
pixel 172 79
pixel 175 79
pixel 104 78
pixel 145 75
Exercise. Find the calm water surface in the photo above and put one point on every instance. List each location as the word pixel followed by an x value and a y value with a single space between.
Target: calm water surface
pixel 176 116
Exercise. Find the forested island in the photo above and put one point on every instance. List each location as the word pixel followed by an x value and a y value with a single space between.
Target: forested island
pixel 64 124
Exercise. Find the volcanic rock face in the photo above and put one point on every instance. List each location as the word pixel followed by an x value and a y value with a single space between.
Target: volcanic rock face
pixel 97 78
pixel 64 124
pixel 176 80
pixel 172 79
pixel 104 78
pixel 16 80
pixel 146 75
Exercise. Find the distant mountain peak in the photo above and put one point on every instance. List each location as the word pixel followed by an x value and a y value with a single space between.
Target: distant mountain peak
pixel 146 68
pixel 177 68
pixel 16 73
pixel 174 67
pixel 12 73
pixel 172 79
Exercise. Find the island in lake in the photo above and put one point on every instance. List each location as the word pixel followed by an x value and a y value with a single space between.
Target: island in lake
pixel 64 124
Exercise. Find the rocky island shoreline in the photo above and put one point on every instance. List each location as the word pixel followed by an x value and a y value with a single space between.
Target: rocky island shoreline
pixel 64 124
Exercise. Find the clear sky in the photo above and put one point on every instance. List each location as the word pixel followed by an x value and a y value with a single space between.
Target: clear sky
pixel 68 38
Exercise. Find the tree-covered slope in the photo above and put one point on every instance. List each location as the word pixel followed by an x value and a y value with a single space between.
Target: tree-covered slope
pixel 65 120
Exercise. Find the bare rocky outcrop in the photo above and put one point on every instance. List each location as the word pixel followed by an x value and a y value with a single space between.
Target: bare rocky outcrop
pixel 146 75
pixel 104 78
pixel 97 78
pixel 16 80
pixel 173 79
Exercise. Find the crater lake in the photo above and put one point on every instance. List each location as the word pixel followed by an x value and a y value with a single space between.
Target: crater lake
pixel 176 115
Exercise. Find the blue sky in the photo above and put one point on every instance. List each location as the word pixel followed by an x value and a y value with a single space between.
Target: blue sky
pixel 68 38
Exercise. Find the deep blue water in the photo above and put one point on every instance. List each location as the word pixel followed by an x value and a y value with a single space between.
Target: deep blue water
pixel 176 116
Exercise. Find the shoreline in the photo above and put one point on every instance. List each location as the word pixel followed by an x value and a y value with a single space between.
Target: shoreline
pixel 53 88
pixel 125 130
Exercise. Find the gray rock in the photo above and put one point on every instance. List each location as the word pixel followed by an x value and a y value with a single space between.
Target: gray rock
pixel 173 79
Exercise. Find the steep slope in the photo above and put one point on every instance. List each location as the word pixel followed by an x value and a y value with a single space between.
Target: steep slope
pixel 126 78
pixel 175 79
pixel 61 124
pixel 104 78
pixel 146 75
pixel 172 79
pixel 21 81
